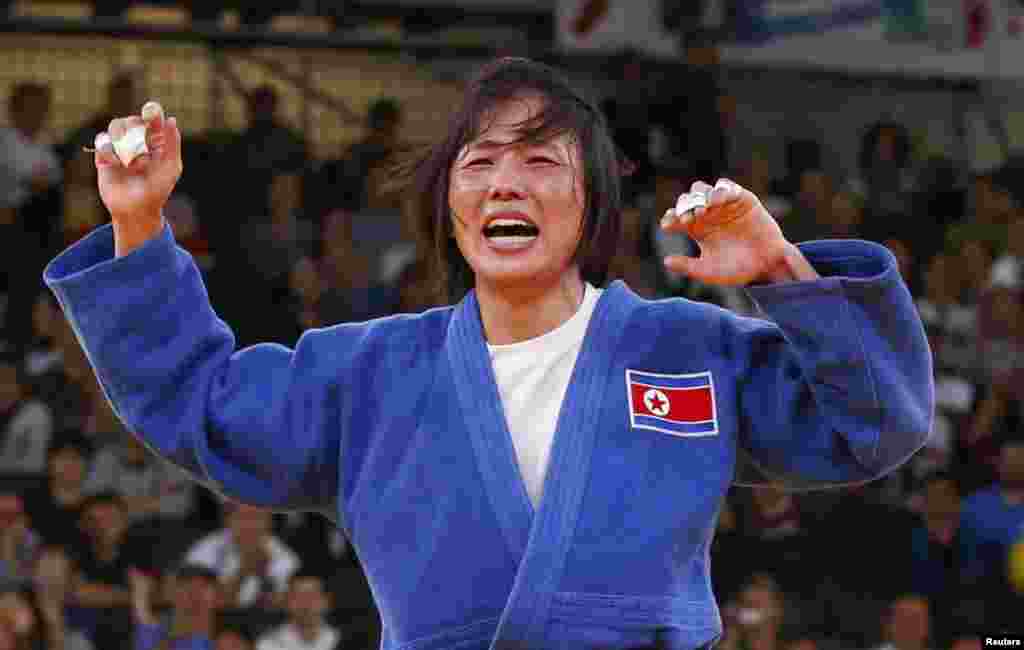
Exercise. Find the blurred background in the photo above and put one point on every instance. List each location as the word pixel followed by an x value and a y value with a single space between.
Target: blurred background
pixel 896 121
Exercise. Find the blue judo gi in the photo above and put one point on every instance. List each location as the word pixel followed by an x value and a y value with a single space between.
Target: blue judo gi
pixel 394 428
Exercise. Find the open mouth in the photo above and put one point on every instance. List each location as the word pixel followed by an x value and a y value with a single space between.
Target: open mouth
pixel 505 231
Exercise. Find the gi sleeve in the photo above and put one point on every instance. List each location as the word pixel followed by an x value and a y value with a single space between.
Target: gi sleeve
pixel 837 384
pixel 254 424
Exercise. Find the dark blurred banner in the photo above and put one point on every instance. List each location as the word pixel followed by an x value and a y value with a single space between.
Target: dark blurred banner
pixel 759 21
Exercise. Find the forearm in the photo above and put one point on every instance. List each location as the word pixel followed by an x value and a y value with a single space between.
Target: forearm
pixel 131 236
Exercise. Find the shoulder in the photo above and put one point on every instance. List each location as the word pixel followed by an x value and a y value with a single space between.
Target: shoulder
pixel 409 333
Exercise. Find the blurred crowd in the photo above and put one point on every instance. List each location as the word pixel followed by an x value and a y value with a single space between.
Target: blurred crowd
pixel 103 546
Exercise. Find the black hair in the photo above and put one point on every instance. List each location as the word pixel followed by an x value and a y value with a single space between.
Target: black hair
pixel 566 111
pixel 869 145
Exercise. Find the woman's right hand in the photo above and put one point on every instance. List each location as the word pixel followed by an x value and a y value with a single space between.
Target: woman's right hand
pixel 135 194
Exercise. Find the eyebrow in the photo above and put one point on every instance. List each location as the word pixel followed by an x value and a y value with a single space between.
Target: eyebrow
pixel 494 144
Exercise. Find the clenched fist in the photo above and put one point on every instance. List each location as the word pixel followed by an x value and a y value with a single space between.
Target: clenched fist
pixel 136 193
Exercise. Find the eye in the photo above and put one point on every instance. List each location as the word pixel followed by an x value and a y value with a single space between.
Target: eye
pixel 477 162
pixel 542 159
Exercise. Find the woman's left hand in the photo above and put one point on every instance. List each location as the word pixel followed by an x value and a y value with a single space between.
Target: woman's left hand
pixel 740 242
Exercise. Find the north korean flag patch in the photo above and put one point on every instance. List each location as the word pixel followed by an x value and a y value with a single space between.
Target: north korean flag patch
pixel 679 405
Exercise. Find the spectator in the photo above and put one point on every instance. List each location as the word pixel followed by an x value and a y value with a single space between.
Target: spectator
pixel 264 149
pixel 996 420
pixel 19 544
pixel 101 588
pixel 276 241
pixel 306 628
pixel 887 182
pixel 28 165
pixel 352 292
pixel 629 110
pixel 935 541
pixel 124 97
pixel 26 423
pixel 975 261
pixel 52 584
pixel 180 213
pixel 149 488
pixel 54 509
pixel 29 170
pixel 81 210
pixel 195 599
pixel 759 614
pixel 755 174
pixel 846 217
pixel 993 205
pixel 951 324
pixel 907 625
pixel 345 182
pixel 1001 327
pixel 812 204
pixel 633 263
pixel 992 518
pixel 43 359
pixel 774 519
pixel 19 608
pixel 253 564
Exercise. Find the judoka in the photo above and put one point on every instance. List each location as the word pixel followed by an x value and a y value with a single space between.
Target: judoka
pixel 539 465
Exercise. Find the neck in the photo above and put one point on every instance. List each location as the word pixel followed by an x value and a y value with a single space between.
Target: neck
pixel 520 314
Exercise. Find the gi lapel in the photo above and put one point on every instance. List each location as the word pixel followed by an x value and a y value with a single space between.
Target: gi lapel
pixel 478 396
pixel 523 623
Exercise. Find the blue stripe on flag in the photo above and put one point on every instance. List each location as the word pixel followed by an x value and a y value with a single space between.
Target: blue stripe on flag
pixel 656 381
pixel 659 424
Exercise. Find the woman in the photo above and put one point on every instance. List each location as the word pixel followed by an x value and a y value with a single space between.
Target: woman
pixel 541 465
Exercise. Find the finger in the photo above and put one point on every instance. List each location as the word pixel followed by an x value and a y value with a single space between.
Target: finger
pixel 166 149
pixel 699 187
pixel 724 192
pixel 688 266
pixel 104 151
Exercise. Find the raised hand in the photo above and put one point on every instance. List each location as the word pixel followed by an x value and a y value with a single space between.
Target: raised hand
pixel 136 194
pixel 740 243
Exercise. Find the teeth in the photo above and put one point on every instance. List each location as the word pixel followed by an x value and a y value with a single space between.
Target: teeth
pixel 509 222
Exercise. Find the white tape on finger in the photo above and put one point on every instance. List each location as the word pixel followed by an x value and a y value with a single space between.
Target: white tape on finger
pixel 690 201
pixel 131 145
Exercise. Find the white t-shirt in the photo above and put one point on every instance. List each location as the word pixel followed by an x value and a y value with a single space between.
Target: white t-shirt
pixel 287 637
pixel 218 552
pixel 532 378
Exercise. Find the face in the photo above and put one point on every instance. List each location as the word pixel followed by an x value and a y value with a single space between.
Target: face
pixel 67 466
pixel 195 595
pixel 43 316
pixel 517 208
pixel 105 521
pixel 306 599
pixel 10 390
pixel 11 511
pixel 909 621
pixel 18 613
pixel 249 525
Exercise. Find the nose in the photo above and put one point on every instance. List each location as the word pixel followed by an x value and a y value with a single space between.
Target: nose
pixel 506 180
